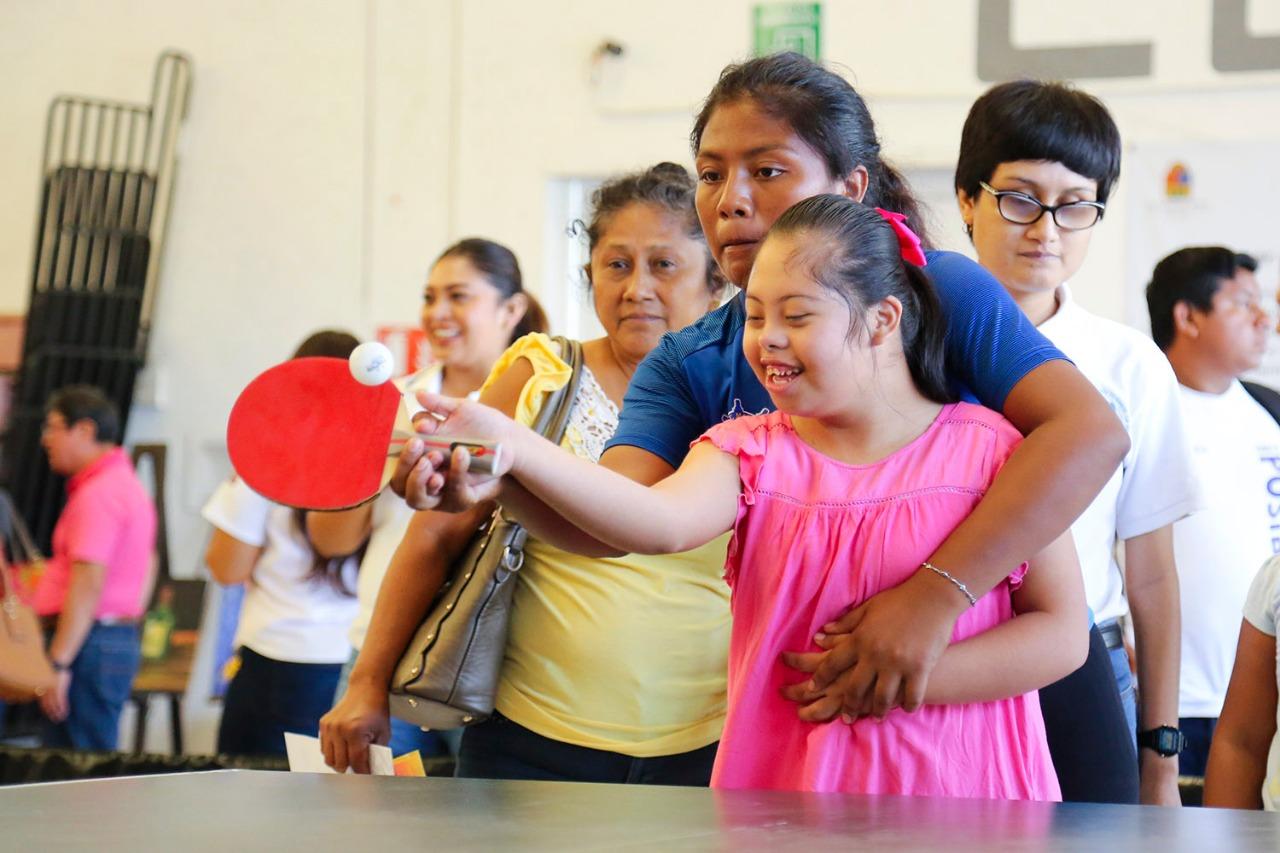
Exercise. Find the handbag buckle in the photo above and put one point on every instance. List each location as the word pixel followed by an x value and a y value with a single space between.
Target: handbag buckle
pixel 512 560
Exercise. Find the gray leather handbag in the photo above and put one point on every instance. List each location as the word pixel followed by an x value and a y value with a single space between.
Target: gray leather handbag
pixel 448 675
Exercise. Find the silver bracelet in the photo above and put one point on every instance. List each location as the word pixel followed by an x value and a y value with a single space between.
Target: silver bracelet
pixel 959 584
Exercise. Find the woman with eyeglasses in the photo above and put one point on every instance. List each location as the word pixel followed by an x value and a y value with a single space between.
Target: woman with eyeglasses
pixel 1037 163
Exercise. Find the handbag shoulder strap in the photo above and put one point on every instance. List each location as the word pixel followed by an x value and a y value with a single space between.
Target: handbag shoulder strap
pixel 21 536
pixel 1265 397
pixel 17 529
pixel 7 593
pixel 553 419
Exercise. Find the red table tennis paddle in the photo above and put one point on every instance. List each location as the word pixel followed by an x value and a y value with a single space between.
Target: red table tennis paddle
pixel 306 434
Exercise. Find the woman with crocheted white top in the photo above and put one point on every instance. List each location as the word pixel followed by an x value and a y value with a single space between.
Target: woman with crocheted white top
pixel 614 675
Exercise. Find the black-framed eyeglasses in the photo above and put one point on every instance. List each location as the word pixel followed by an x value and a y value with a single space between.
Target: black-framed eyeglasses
pixel 1022 209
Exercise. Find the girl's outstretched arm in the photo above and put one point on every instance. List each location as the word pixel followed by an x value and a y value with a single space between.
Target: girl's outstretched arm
pixel 686 510
pixel 1238 757
pixel 547 525
pixel 460 492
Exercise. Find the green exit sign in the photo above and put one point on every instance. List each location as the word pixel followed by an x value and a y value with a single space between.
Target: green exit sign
pixel 788 26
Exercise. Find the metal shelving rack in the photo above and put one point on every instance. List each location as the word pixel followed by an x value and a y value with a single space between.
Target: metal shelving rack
pixel 108 173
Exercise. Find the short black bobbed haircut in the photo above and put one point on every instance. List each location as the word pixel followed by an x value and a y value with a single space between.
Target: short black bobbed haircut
pixel 1192 275
pixel 87 403
pixel 1035 120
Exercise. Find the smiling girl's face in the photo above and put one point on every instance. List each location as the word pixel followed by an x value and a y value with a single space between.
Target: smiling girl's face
pixel 800 338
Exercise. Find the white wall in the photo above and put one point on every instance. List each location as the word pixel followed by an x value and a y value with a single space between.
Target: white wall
pixel 335 146
pixel 531 112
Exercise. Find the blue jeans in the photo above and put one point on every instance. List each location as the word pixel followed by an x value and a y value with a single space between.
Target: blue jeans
pixel 501 749
pixel 1124 684
pixel 269 697
pixel 101 680
pixel 1199 733
pixel 405 736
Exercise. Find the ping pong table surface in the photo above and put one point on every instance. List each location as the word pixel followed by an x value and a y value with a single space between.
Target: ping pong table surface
pixel 234 811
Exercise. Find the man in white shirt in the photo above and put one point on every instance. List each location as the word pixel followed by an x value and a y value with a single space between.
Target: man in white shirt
pixel 1207 316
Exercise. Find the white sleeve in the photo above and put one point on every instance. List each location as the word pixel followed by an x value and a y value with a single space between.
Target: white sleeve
pixel 239 511
pixel 1263 601
pixel 427 379
pixel 1158 485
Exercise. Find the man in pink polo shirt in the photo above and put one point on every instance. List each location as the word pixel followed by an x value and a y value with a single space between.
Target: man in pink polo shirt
pixel 91 593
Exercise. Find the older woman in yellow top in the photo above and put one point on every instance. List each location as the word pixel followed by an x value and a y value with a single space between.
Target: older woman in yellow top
pixel 615 668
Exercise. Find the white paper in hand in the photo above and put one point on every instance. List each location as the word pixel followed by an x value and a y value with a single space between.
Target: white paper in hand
pixel 305 756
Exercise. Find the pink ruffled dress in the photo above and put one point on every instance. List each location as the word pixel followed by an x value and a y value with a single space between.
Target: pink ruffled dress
pixel 814 536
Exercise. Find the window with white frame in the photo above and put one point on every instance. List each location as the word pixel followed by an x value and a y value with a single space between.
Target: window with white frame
pixel 564 293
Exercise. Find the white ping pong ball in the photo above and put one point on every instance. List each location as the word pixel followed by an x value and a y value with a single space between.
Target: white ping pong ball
pixel 371 363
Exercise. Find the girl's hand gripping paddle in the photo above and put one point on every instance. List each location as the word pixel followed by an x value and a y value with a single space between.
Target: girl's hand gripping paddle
pixel 306 434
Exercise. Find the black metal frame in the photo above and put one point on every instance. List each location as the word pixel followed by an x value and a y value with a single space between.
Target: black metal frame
pixel 108 170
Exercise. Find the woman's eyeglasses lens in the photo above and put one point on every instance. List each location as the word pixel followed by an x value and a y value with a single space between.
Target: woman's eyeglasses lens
pixel 1024 210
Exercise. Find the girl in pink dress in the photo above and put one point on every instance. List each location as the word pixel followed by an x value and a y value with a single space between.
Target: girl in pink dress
pixel 863 471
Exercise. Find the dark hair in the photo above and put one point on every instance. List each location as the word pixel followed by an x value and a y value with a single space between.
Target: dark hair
pixel 327 343
pixel 499 266
pixel 1033 120
pixel 1191 275
pixel 862 262
pixel 667 186
pixel 87 403
pixel 827 113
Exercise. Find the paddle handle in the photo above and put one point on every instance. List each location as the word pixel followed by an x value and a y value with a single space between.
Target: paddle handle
pixel 485 455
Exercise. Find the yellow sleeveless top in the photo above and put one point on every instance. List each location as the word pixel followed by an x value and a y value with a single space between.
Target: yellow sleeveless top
pixel 627 655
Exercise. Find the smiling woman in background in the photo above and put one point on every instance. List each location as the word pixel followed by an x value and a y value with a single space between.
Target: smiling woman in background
pixel 473 307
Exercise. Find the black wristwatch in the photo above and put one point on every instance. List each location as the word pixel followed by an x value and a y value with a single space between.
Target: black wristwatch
pixel 1165 740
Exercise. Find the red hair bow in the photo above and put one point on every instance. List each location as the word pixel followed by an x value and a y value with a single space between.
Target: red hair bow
pixel 908 242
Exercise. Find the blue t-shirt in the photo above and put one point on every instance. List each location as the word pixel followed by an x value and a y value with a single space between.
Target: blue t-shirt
pixel 698 377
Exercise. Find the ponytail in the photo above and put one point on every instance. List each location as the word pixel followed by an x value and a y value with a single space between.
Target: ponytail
pixel 534 319
pixel 328 569
pixel 890 190
pixel 924 339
